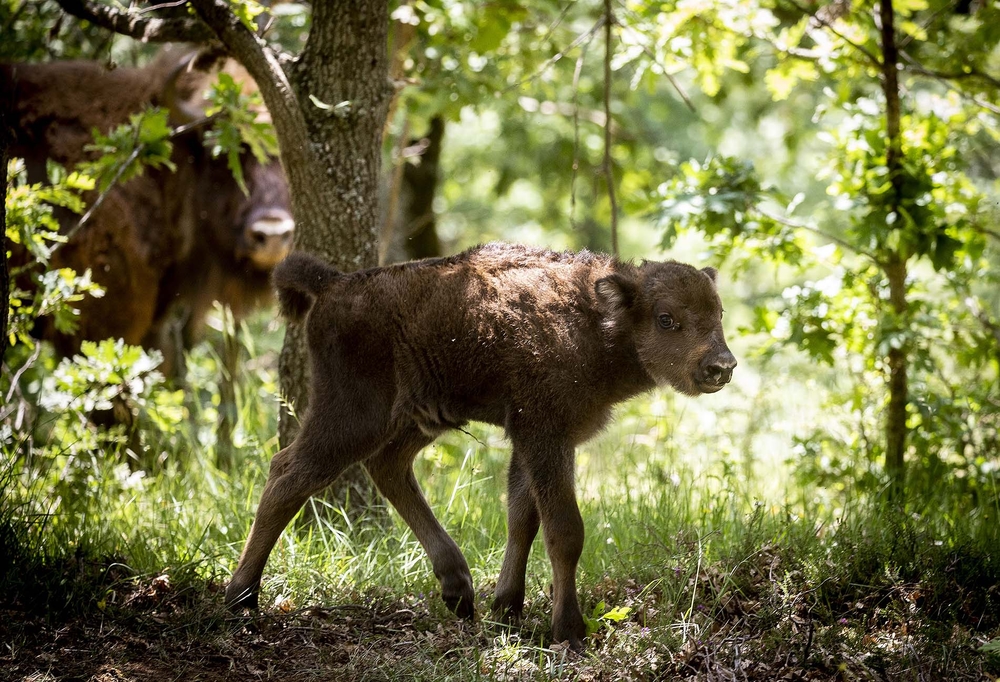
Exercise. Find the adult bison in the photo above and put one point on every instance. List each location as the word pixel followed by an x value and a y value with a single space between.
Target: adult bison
pixel 168 243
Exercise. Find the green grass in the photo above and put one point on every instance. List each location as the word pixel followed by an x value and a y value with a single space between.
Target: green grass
pixel 727 564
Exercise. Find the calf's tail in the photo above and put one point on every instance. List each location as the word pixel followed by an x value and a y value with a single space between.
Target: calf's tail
pixel 299 279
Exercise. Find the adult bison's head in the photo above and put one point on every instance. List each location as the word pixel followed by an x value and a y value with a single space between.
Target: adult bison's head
pixel 251 230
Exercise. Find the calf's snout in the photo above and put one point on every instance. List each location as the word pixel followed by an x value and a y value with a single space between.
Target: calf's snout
pixel 717 369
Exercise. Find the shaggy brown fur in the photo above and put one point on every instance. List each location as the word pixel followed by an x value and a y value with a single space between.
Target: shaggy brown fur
pixel 540 343
pixel 166 244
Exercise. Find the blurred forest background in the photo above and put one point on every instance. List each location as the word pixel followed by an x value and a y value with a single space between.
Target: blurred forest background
pixel 832 514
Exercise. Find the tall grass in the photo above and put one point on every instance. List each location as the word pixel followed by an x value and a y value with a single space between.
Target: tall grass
pixel 691 510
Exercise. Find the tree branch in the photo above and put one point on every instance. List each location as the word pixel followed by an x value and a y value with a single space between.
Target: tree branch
pixel 917 67
pixel 576 132
pixel 986 231
pixel 583 37
pixel 815 230
pixel 147 30
pixel 829 25
pixel 263 66
pixel 609 22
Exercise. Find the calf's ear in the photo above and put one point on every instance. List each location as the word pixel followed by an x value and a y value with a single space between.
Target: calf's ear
pixel 616 291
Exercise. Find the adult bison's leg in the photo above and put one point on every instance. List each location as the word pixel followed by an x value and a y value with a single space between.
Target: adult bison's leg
pixel 305 467
pixel 522 527
pixel 392 471
pixel 549 464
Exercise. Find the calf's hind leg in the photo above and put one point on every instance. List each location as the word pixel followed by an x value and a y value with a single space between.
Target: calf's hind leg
pixel 303 468
pixel 522 527
pixel 392 471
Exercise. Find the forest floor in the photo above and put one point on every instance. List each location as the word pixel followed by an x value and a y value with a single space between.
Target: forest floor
pixel 151 629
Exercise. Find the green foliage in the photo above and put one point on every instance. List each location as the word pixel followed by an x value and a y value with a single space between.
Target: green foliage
pixel 235 123
pixel 100 375
pixel 129 148
pixel 37 30
pixel 928 217
pixel 601 615
pixel 722 199
pixel 33 229
pixel 247 12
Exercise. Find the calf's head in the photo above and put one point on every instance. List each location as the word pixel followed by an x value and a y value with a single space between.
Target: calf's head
pixel 673 314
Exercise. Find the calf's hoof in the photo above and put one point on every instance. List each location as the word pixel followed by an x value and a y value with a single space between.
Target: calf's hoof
pixel 239 598
pixel 459 596
pixel 570 629
pixel 508 608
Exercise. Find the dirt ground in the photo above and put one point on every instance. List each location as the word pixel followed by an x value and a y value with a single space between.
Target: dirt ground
pixel 154 631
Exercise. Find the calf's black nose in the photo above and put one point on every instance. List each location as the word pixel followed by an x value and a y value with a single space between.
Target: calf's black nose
pixel 720 370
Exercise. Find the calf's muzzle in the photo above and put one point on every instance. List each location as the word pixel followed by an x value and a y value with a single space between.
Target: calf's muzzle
pixel 717 368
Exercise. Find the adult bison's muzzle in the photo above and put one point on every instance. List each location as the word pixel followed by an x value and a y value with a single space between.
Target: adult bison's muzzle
pixel 267 238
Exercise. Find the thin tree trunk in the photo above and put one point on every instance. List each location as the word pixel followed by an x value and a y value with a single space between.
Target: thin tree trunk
pixel 229 355
pixel 5 87
pixel 420 237
pixel 609 22
pixel 895 423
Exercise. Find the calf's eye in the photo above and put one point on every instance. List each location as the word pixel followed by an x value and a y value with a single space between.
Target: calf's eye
pixel 666 321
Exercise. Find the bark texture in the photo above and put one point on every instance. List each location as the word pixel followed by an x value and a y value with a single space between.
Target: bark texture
pixel 329 111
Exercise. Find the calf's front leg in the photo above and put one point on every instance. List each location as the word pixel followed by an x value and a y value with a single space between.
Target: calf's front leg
pixel 550 472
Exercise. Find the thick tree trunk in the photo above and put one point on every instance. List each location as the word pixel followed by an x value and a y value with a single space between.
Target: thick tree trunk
pixel 328 113
pixel 895 422
pixel 345 67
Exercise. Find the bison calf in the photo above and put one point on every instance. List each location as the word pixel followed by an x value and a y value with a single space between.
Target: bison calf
pixel 540 343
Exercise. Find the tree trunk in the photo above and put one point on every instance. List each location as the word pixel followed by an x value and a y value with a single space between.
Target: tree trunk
pixel 413 225
pixel 328 114
pixel 4 272
pixel 895 422
pixel 344 60
pixel 229 356
pixel 898 359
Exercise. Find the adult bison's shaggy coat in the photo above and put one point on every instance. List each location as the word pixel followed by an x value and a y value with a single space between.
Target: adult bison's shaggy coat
pixel 164 245
pixel 540 343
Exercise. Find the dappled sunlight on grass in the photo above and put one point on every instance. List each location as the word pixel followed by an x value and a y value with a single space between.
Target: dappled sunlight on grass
pixel 704 551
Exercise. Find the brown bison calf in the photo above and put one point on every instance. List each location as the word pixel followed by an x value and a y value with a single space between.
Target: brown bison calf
pixel 540 343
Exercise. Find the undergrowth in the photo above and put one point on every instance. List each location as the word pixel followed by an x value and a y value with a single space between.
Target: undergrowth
pixel 704 558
